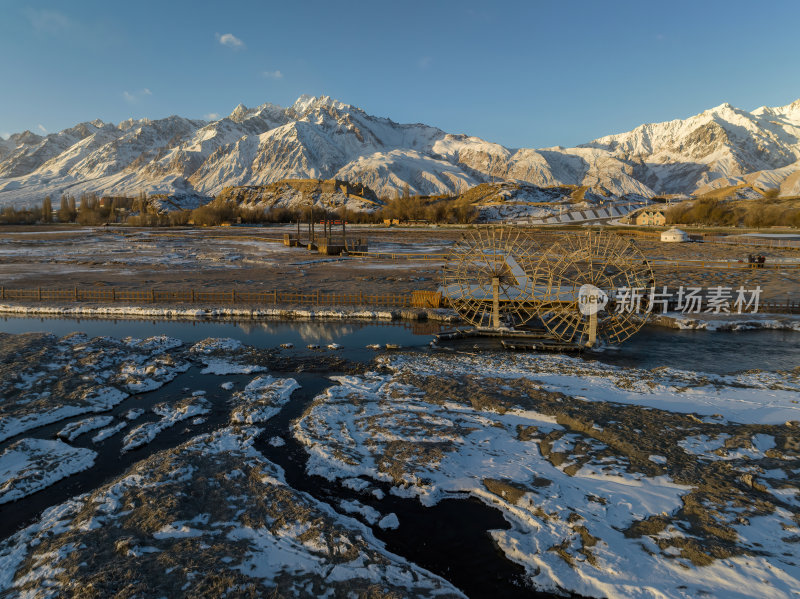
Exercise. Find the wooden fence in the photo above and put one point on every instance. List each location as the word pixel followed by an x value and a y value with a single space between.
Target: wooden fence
pixel 732 239
pixel 788 307
pixel 400 256
pixel 681 264
pixel 689 264
pixel 757 241
pixel 416 299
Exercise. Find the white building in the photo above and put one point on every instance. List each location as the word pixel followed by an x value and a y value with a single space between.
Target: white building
pixel 674 236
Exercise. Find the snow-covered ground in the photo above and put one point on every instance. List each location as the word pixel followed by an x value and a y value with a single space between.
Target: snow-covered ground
pixel 77 428
pixel 261 399
pixel 732 322
pixel 117 250
pixel 242 527
pixel 44 379
pixel 110 431
pixel 615 481
pixel 116 311
pixel 171 414
pixel 599 471
pixel 223 356
pixel 30 465
pixel 750 397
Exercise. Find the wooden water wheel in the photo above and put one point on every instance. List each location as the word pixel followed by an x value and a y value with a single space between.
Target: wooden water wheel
pixel 487 277
pixel 577 285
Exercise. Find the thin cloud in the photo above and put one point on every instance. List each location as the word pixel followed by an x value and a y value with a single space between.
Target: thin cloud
pixel 272 74
pixel 230 40
pixel 211 116
pixel 5 135
pixel 425 62
pixel 49 21
pixel 41 128
pixel 136 96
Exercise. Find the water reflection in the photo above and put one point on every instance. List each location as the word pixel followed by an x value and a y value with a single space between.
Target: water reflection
pixel 350 334
pixel 719 352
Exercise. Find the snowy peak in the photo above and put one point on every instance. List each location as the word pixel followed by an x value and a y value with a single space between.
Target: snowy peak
pixel 26 137
pixel 240 113
pixel 305 104
pixel 790 110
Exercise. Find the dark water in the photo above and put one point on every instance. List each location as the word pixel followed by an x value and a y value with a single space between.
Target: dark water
pixel 109 462
pixel 450 539
pixel 720 352
pixel 716 352
pixel 353 336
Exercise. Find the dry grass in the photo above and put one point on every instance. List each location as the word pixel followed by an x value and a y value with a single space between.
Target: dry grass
pixel 231 490
pixel 623 437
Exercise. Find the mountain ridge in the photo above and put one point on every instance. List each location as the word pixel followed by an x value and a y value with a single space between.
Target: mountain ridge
pixel 319 137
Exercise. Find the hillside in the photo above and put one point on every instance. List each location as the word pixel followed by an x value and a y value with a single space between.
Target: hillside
pixel 297 194
pixel 520 201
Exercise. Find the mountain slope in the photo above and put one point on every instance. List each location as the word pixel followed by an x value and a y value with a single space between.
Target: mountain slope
pixel 322 138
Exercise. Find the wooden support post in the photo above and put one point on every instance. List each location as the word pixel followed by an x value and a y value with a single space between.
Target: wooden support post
pixel 496 302
pixel 152 295
pixel 233 296
pixel 2 293
pixel 40 294
pixel 592 330
pixel 76 294
pixel 113 295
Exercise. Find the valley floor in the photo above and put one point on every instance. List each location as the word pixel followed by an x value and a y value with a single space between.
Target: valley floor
pixel 249 258
pixel 220 469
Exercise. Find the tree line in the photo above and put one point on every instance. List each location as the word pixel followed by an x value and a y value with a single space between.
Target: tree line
pixel 719 213
pixel 89 209
pixel 148 211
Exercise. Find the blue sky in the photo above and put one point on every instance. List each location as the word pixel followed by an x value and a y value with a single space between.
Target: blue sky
pixel 524 74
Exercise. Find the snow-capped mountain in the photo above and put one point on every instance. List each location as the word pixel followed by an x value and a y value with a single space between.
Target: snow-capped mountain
pixel 322 138
pixel 719 147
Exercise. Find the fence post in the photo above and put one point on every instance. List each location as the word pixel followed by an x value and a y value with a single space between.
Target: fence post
pixel 2 293
pixel 152 295
pixel 76 294
pixel 233 296
pixel 39 293
pixel 113 295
